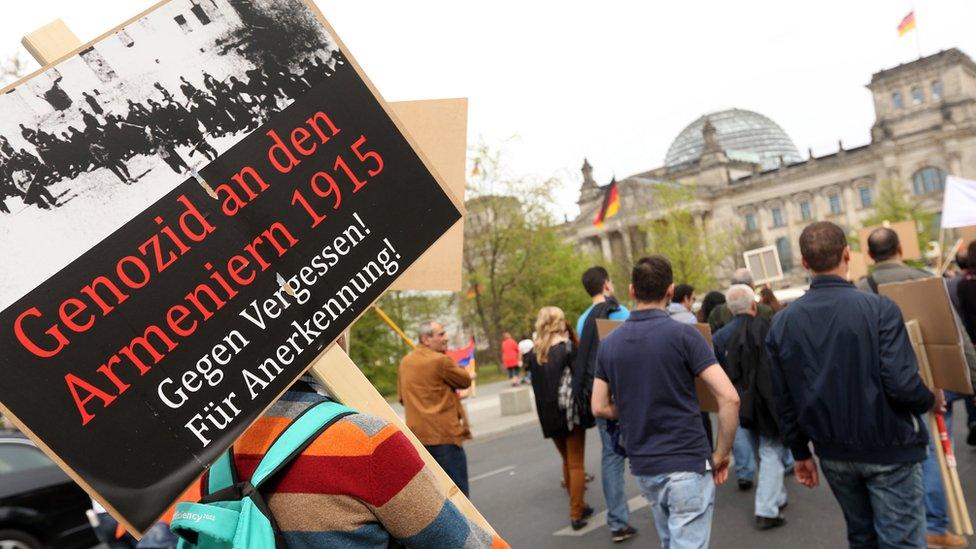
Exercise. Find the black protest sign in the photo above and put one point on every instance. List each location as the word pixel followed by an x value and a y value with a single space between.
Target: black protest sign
pixel 142 359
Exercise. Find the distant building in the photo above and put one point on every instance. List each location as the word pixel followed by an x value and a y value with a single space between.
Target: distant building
pixel 752 181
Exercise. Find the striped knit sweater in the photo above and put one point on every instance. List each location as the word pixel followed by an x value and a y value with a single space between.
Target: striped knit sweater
pixel 359 484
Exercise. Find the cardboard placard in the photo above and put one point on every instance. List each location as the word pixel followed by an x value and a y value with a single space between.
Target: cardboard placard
pixel 907 236
pixel 440 129
pixel 764 264
pixel 706 400
pixel 858 267
pixel 926 301
pixel 166 312
pixel 967 234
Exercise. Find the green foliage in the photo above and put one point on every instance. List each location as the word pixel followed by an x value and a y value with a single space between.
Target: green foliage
pixel 377 349
pixel 515 259
pixel 892 205
pixel 675 234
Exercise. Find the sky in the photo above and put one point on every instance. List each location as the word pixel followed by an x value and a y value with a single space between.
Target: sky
pixel 550 83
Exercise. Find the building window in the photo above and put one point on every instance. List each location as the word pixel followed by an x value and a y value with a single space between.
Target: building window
pixel 785 253
pixel 936 89
pixel 805 212
pixel 917 96
pixel 181 21
pixel 834 200
pixel 778 217
pixel 896 100
pixel 201 15
pixel 750 222
pixel 928 180
pixel 867 197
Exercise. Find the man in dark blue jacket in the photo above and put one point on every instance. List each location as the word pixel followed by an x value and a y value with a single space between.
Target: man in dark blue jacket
pixel 845 378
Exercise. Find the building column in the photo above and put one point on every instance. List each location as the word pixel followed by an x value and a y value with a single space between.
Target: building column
pixel 628 247
pixel 605 247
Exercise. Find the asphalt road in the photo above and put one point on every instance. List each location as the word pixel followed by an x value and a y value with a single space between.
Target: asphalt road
pixel 515 483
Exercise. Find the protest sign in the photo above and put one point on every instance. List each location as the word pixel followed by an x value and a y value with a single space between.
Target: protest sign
pixel 858 266
pixel 907 236
pixel 149 317
pixel 706 400
pixel 927 302
pixel 764 264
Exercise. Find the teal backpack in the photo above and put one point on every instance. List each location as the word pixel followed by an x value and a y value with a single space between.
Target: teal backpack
pixel 233 515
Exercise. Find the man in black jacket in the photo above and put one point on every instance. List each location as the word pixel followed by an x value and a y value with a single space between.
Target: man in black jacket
pixel 845 378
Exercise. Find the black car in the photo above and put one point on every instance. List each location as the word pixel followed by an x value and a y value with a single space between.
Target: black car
pixel 39 505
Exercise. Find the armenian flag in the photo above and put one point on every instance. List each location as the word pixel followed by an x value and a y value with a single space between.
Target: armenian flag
pixel 463 356
pixel 907 24
pixel 610 205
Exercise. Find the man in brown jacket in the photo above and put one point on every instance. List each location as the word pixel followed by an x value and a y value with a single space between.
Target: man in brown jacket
pixel 426 385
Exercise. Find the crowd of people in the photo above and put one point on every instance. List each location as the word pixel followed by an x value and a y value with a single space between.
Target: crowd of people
pixel 157 125
pixel 832 373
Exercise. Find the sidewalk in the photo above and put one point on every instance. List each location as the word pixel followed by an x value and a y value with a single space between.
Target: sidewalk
pixel 485 413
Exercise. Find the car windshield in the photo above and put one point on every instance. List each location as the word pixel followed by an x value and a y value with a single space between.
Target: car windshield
pixel 16 457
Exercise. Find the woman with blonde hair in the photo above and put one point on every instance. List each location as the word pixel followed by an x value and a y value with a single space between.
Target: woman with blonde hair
pixel 551 366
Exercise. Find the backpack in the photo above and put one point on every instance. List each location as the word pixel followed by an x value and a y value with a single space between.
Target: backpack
pixel 233 514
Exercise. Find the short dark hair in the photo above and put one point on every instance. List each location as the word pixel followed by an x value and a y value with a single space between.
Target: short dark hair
pixel 681 291
pixel 593 280
pixel 962 258
pixel 882 244
pixel 971 253
pixel 822 246
pixel 651 278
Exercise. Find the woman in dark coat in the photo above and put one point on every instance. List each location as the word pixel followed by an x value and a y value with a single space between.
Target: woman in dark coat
pixel 551 366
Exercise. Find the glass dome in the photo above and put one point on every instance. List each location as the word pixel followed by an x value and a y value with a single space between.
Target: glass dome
pixel 741 134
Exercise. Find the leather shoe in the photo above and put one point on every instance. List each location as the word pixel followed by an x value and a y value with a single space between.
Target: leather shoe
pixel 765 523
pixel 945 541
pixel 578 524
pixel 745 484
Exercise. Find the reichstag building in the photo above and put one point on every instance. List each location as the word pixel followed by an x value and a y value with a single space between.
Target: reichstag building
pixel 751 180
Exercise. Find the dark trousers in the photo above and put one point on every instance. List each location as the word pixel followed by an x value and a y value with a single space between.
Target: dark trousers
pixel 454 462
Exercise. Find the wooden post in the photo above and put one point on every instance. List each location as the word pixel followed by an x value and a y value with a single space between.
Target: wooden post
pixel 955 500
pixel 332 367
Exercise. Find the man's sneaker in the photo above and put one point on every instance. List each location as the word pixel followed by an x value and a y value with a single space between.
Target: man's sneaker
pixel 745 484
pixel 765 523
pixel 577 524
pixel 623 534
pixel 945 541
pixel 971 438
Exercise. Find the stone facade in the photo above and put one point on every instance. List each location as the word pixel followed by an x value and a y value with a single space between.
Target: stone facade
pixel 925 128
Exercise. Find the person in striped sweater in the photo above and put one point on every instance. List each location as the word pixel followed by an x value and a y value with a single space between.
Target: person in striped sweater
pixel 359 484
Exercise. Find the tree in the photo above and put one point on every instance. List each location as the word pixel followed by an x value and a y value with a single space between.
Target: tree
pixel 377 349
pixel 893 206
pixel 674 233
pixel 515 259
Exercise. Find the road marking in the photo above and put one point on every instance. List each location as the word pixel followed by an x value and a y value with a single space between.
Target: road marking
pixel 491 473
pixel 599 520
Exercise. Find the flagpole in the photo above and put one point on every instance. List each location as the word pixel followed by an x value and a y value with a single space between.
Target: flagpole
pixel 918 39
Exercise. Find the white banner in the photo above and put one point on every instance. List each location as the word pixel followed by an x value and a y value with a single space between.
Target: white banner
pixel 959 203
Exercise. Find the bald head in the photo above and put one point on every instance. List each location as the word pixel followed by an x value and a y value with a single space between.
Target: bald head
pixel 883 244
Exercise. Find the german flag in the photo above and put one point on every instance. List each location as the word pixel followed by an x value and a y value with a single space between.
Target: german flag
pixel 907 24
pixel 610 205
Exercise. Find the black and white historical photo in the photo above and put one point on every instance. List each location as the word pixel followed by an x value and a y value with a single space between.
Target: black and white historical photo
pixel 90 142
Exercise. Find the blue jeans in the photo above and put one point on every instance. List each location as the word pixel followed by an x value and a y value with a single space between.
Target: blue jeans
pixel 936 514
pixel 770 492
pixel 882 504
pixel 744 447
pixel 454 461
pixel 612 477
pixel 682 505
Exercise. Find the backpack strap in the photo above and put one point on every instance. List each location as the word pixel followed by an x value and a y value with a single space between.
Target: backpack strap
pixel 222 473
pixel 873 284
pixel 303 431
